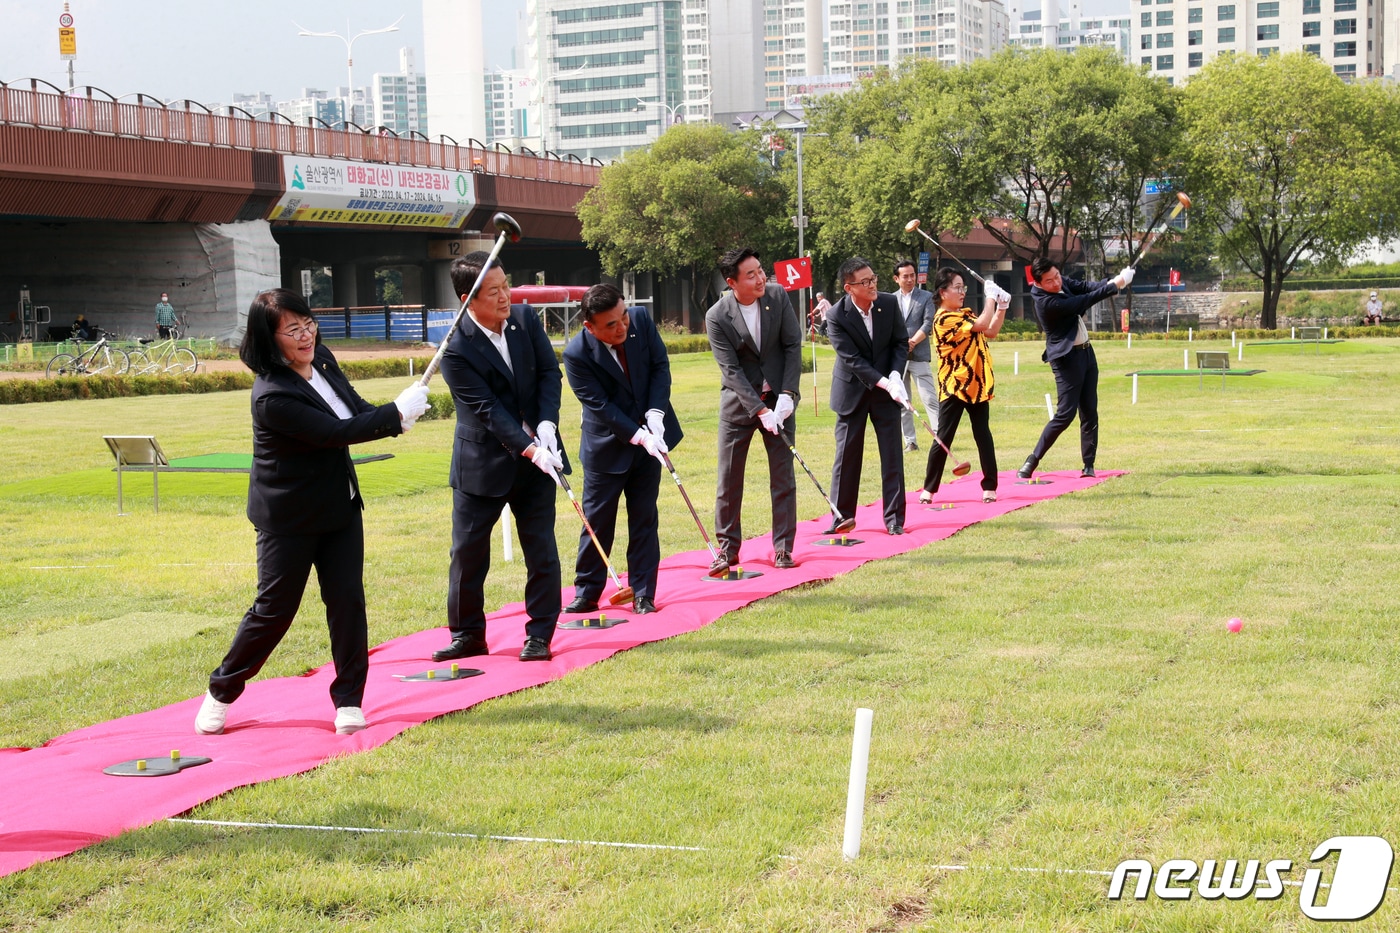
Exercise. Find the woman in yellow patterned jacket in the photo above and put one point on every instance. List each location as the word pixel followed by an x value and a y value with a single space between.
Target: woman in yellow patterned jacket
pixel 964 375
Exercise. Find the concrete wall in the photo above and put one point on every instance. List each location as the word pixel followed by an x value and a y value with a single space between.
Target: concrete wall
pixel 113 273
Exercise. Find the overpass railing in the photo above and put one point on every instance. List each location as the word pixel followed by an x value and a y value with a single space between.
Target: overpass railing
pixel 196 125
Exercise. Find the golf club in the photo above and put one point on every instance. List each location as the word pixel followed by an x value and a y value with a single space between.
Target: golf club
pixel 842 523
pixel 508 228
pixel 624 594
pixel 913 225
pixel 961 469
pixel 714 554
pixel 1182 202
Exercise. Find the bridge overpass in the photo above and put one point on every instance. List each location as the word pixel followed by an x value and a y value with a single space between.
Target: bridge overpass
pixel 105 203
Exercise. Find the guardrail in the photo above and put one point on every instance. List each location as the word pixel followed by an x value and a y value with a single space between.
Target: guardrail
pixel 195 124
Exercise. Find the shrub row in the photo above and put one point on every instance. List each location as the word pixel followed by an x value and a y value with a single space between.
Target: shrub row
pixel 17 391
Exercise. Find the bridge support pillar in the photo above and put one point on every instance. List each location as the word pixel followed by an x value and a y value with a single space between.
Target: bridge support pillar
pixel 344 285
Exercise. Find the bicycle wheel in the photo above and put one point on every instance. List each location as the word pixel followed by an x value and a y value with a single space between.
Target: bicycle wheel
pixel 64 364
pixel 140 363
pixel 181 361
pixel 109 361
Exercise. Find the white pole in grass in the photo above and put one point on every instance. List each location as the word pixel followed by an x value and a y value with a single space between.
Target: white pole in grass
pixel 1185 359
pixel 1190 334
pixel 505 534
pixel 410 367
pixel 1130 340
pixel 1232 338
pixel 1292 333
pixel 1049 407
pixel 1240 357
pixel 855 793
pixel 1135 375
pixel 1324 333
pixel 1016 363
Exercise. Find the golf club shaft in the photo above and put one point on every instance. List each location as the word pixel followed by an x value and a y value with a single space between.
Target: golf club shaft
pixel 442 348
pixel 1167 223
pixel 693 514
pixel 955 259
pixel 815 482
pixel 589 528
pixel 931 432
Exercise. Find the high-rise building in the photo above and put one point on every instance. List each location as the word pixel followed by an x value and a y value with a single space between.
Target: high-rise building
pixel 1175 43
pixel 792 44
pixel 1028 29
pixel 401 100
pixel 867 34
pixel 510 110
pixel 454 63
pixel 611 74
pixel 333 108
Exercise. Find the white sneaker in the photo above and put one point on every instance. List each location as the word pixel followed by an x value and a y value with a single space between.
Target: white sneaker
pixel 989 495
pixel 349 720
pixel 210 718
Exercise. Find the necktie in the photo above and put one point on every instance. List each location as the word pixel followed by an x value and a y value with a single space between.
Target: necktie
pixel 622 361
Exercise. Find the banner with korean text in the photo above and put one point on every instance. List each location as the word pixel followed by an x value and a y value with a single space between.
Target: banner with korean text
pixel 335 191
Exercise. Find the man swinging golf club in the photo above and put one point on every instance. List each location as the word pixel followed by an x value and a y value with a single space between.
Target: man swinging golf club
pixel 506 383
pixel 757 341
pixel 1060 304
pixel 618 368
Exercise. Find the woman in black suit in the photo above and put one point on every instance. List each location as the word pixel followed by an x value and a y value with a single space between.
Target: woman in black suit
pixel 304 500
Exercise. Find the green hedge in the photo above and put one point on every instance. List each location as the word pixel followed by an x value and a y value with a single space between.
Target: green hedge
pixel 18 391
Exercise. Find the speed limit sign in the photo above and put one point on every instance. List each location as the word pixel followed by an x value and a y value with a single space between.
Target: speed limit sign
pixel 65 20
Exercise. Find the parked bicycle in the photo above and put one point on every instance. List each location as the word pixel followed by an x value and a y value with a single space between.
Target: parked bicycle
pixel 100 359
pixel 163 358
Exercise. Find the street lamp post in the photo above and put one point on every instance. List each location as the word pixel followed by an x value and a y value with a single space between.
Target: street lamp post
pixel 670 110
pixel 349 53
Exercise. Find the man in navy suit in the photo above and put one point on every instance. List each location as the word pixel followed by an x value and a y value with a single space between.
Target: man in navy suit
pixel 868 334
pixel 1061 304
pixel 618 368
pixel 506 383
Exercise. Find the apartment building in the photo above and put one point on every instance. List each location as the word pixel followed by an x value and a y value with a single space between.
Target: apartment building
pixel 866 34
pixel 1028 29
pixel 401 100
pixel 1175 38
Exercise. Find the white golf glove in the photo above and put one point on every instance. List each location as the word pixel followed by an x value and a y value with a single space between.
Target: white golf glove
pixel 651 444
pixel 894 385
pixel 784 407
pixel 998 294
pixel 547 434
pixel 549 464
pixel 770 421
pixel 1125 278
pixel 656 424
pixel 411 403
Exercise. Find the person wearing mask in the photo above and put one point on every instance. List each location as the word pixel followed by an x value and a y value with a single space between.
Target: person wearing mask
pixel 165 317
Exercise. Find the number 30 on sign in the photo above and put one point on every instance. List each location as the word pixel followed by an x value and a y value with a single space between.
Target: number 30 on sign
pixel 793 274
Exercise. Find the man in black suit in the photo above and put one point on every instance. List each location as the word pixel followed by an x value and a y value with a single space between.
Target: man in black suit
pixel 757 341
pixel 867 331
pixel 506 383
pixel 618 368
pixel 1061 304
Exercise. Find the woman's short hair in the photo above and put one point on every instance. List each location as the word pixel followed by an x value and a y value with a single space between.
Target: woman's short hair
pixel 259 350
pixel 942 279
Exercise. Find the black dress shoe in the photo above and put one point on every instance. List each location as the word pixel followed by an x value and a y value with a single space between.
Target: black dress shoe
pixel 582 604
pixel 783 561
pixel 1087 472
pixel 1028 468
pixel 642 605
pixel 895 529
pixel 462 648
pixel 720 565
pixel 536 649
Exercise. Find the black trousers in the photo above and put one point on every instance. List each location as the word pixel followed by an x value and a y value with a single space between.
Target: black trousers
pixel 531 501
pixel 284 564
pixel 734 440
pixel 601 492
pixel 883 415
pixel 950 411
pixel 1077 382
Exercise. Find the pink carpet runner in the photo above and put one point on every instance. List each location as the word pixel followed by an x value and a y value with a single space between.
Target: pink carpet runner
pixel 56 799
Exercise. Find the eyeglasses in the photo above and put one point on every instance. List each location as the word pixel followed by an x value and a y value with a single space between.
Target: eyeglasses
pixel 869 282
pixel 300 331
pixel 955 288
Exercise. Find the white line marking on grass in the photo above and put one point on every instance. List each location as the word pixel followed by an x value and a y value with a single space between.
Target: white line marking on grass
pixel 245 563
pixel 438 833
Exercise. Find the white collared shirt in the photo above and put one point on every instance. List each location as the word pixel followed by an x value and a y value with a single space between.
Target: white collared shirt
pixel 751 319
pixel 497 340
pixel 866 317
pixel 906 301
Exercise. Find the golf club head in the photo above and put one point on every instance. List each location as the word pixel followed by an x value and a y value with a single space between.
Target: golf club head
pixel 962 469
pixel 912 225
pixel 844 525
pixel 504 223
pixel 717 573
pixel 1183 199
pixel 624 595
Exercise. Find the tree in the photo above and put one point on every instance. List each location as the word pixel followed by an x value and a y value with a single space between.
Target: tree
pixel 1287 162
pixel 1033 146
pixel 679 204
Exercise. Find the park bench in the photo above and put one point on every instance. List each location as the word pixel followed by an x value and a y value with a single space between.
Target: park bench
pixel 1311 335
pixel 1212 361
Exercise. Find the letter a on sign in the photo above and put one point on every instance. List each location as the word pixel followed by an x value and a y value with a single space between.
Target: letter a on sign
pixel 793 274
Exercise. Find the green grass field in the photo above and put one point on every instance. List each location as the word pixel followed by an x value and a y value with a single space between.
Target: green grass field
pixel 1054 689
